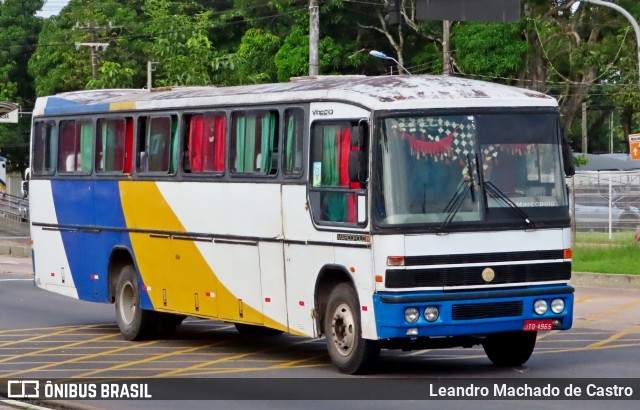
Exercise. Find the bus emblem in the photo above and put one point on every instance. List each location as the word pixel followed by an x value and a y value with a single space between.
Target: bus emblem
pixel 488 274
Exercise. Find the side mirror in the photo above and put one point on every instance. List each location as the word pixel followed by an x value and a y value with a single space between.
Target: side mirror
pixel 567 156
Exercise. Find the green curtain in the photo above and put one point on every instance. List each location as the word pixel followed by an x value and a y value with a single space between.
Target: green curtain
pixel 250 145
pixel 50 165
pixel 334 203
pixel 175 147
pixel 329 157
pixel 266 142
pixel 108 147
pixel 290 147
pixel 241 126
pixel 86 146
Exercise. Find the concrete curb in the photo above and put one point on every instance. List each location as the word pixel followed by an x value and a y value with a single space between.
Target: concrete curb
pixel 606 280
pixel 15 250
pixel 13 404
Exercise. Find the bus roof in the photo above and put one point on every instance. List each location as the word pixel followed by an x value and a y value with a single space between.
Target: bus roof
pixel 375 93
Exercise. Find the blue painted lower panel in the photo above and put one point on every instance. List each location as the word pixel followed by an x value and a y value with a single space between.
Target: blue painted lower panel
pixel 391 324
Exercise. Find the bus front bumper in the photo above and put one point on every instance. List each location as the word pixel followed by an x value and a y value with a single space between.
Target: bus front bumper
pixel 472 313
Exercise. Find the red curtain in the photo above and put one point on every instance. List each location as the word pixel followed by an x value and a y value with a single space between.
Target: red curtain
pixel 207 143
pixel 128 159
pixel 195 143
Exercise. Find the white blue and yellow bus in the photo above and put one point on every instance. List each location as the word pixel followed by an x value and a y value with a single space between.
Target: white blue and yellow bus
pixel 391 212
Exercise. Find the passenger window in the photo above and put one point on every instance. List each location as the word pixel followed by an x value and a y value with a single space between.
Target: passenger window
pixel 157 144
pixel 254 143
pixel 335 188
pixel 113 147
pixel 204 139
pixel 75 146
pixel 44 152
pixel 293 137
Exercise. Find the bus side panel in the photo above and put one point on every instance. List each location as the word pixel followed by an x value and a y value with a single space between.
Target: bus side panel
pixel 359 259
pixel 303 262
pixel 93 205
pixel 50 263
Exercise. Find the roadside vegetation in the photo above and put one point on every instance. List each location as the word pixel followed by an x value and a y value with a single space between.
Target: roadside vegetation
pixel 595 252
pixel 576 52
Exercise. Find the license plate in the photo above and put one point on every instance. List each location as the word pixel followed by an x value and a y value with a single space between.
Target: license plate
pixel 534 325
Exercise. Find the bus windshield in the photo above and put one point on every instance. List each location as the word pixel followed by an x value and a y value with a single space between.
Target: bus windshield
pixel 446 172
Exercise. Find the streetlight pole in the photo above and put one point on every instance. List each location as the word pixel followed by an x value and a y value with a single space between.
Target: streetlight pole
pixel 380 54
pixel 629 17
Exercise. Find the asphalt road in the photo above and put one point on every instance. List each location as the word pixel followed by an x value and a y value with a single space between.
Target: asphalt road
pixel 44 335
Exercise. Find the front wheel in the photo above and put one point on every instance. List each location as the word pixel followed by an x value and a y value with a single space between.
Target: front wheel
pixel 348 350
pixel 134 322
pixel 510 348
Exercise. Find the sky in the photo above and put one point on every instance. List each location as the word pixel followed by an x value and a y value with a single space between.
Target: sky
pixel 52 7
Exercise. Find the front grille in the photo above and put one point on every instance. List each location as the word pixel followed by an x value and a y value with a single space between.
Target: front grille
pixel 472 275
pixel 492 257
pixel 486 310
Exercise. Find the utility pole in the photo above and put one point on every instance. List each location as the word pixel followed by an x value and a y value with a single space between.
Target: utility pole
pixel 446 50
pixel 151 67
pixel 584 127
pixel 93 44
pixel 314 36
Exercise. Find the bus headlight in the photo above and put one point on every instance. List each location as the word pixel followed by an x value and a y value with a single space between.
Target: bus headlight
pixel 431 313
pixel 557 306
pixel 411 315
pixel 540 307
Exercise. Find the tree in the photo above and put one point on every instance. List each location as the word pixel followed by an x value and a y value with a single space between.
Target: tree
pixel 58 65
pixel 20 27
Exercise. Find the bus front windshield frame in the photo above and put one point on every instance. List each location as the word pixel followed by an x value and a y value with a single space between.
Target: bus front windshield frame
pixel 448 171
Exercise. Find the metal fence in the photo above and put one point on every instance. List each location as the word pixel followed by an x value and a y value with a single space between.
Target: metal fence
pixel 605 201
pixel 14 216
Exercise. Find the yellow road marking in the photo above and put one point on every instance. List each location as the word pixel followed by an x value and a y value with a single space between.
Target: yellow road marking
pixel 614 337
pixel 582 299
pixel 229 358
pixel 611 311
pixel 148 359
pixel 2 332
pixel 80 358
pixel 60 332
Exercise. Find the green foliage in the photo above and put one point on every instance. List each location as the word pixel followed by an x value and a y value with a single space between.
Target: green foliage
pixel 489 49
pixel 256 55
pixel 292 60
pixel 181 44
pixel 59 65
pixel 112 75
pixel 17 36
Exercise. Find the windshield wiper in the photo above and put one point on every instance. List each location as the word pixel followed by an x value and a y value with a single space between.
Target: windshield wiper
pixel 453 206
pixel 496 193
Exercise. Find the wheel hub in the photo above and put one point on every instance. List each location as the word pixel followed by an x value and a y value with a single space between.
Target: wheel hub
pixel 342 329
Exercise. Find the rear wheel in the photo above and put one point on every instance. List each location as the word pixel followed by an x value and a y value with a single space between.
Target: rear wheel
pixel 510 348
pixel 134 322
pixel 348 350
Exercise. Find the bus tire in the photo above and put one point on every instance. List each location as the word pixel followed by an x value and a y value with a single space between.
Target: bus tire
pixel 253 330
pixel 134 322
pixel 349 352
pixel 510 348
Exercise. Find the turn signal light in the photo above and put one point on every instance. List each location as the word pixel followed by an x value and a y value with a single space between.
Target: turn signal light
pixel 395 261
pixel 567 254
